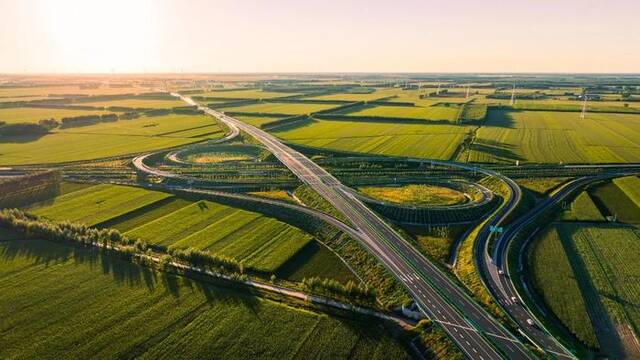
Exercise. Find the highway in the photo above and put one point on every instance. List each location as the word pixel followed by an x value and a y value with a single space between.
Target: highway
pixel 495 269
pixel 478 335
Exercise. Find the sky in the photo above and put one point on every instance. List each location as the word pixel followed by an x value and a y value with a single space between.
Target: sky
pixel 133 36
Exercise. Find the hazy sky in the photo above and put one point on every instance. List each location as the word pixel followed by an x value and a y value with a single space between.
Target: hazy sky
pixel 319 36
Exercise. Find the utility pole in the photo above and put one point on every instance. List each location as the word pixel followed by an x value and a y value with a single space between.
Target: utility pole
pixel 438 91
pixel 468 89
pixel 583 113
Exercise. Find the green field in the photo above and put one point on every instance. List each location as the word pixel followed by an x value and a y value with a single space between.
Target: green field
pixel 437 141
pixel 553 137
pixel 415 194
pixel 280 108
pixel 582 209
pixel 376 95
pixel 246 94
pixel 109 139
pixel 61 89
pixel 33 115
pixel 314 259
pixel 587 276
pixel 97 204
pixel 59 147
pixel 257 120
pixel 59 301
pixel 137 103
pixel 402 112
pixel 260 242
pixel 630 185
pixel 171 125
pixel 613 201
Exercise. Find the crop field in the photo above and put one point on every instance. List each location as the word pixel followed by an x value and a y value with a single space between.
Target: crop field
pixel 77 303
pixel 96 204
pixel 418 195
pixel 257 121
pixel 582 209
pixel 260 242
pixel 60 147
pixel 137 103
pixel 246 94
pixel 108 139
pixel 65 90
pixel 437 141
pixel 630 185
pixel 167 125
pixel 280 108
pixel 613 201
pixel 601 259
pixel 314 259
pixel 553 137
pixel 559 288
pixel 33 115
pixel 412 112
pixel 376 95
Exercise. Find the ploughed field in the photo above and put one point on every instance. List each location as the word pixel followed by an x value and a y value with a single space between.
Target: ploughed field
pixel 80 303
pixel 260 242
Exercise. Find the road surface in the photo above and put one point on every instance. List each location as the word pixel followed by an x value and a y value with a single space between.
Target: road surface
pixel 478 335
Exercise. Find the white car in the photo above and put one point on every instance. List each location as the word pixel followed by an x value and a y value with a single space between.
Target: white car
pixel 514 299
pixel 501 272
pixel 530 322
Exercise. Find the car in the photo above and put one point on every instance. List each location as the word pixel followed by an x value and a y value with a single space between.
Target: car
pixel 501 272
pixel 514 299
pixel 530 322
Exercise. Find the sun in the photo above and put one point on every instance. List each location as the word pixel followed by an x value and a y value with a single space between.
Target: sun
pixel 100 36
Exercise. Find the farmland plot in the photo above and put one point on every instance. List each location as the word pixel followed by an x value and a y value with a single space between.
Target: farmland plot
pixel 280 108
pixel 602 264
pixel 438 141
pixel 412 112
pixel 554 137
pixel 109 139
pixel 630 185
pixel 76 303
pixel 96 204
pixel 137 103
pixel 582 209
pixel 33 115
pixel 246 94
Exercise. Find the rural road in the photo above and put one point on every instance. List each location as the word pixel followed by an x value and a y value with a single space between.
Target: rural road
pixel 477 334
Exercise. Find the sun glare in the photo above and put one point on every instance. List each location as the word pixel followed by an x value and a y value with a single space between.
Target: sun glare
pixel 101 36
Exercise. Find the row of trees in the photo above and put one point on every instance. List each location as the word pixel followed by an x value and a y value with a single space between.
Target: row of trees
pixel 34 227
